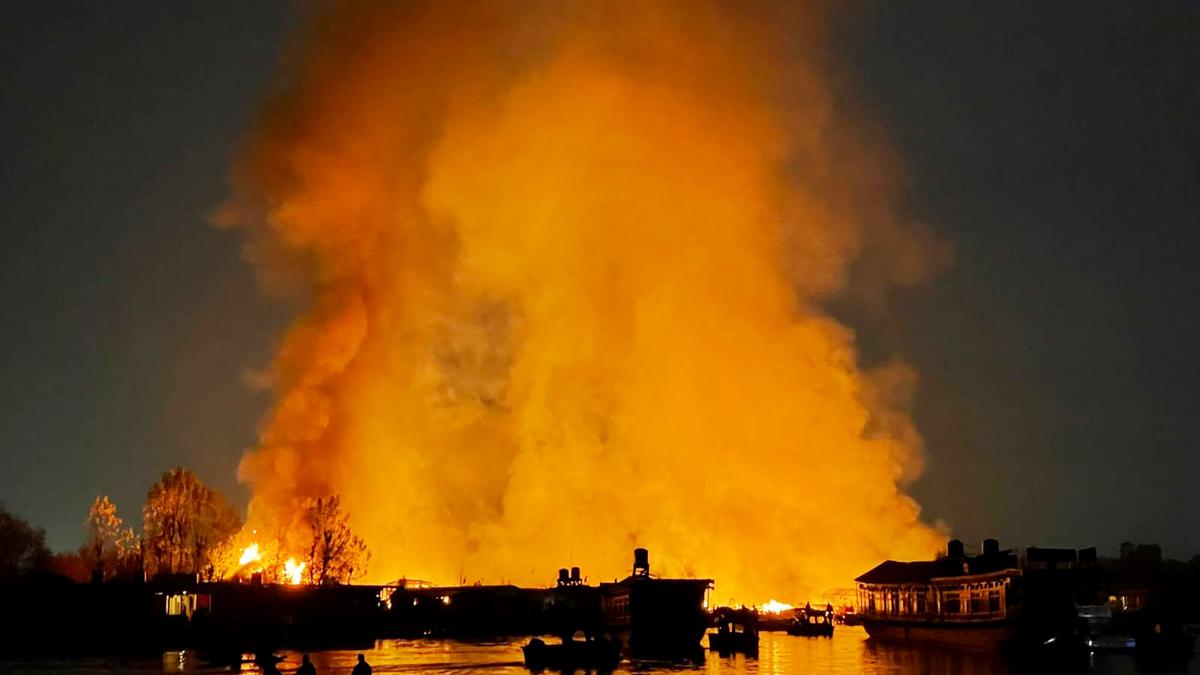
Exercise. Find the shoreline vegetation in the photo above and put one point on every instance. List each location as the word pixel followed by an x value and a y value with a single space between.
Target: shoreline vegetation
pixel 194 578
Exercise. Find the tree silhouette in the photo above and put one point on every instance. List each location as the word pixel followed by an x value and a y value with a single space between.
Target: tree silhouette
pixel 335 554
pixel 103 530
pixel 22 546
pixel 183 521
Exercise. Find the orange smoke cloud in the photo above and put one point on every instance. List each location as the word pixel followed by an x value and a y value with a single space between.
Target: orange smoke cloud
pixel 564 270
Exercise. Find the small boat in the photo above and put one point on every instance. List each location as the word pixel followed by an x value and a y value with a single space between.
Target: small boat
pixel 851 619
pixel 1100 634
pixel 598 654
pixel 737 631
pixel 1126 631
pixel 813 623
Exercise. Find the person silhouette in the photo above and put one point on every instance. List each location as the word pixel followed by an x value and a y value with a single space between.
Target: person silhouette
pixel 362 667
pixel 267 663
pixel 306 667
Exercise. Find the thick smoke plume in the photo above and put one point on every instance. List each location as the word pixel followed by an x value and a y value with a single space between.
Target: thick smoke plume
pixel 563 269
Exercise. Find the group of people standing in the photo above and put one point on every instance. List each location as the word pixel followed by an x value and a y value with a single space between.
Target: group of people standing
pixel 270 666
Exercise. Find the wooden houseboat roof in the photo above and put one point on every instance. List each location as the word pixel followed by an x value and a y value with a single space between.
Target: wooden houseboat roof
pixel 894 573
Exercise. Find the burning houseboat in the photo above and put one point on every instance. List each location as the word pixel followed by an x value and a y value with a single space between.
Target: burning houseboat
pixel 957 599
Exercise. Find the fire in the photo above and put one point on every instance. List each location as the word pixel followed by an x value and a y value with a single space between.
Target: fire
pixel 293 572
pixel 773 606
pixel 250 554
pixel 568 280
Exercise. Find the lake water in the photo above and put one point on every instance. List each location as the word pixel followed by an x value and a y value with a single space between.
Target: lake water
pixel 847 652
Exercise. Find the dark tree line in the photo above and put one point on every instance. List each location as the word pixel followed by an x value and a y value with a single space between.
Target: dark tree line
pixel 22 547
pixel 183 522
pixel 187 528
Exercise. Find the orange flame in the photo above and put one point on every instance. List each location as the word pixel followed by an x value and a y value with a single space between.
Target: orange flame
pixel 568 277
pixel 293 572
pixel 773 606
pixel 250 554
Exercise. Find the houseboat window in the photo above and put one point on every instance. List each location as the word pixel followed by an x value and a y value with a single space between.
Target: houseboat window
pixel 920 603
pixel 620 606
pixel 951 603
pixel 895 603
pixel 186 604
pixel 976 602
pixel 176 605
pixel 993 601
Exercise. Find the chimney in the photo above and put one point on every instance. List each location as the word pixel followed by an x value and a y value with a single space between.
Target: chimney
pixel 1127 549
pixel 991 547
pixel 955 550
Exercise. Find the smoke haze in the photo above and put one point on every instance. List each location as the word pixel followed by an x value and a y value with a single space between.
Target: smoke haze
pixel 562 273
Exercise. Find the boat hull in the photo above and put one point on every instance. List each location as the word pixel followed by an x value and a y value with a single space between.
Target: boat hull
pixel 990 636
pixel 733 643
pixel 571 655
pixel 811 630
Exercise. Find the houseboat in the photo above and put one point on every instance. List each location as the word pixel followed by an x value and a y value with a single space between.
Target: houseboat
pixel 962 600
pixel 641 616
pixel 655 617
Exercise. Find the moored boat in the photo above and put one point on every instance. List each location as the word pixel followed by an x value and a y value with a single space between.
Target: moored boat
pixel 737 631
pixel 571 654
pixel 655 617
pixel 811 622
pixel 1099 633
pixel 850 619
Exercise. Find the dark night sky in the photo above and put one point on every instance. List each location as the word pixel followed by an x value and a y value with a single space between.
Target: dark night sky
pixel 1055 144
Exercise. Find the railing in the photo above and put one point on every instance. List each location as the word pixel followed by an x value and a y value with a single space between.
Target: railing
pixel 976 617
